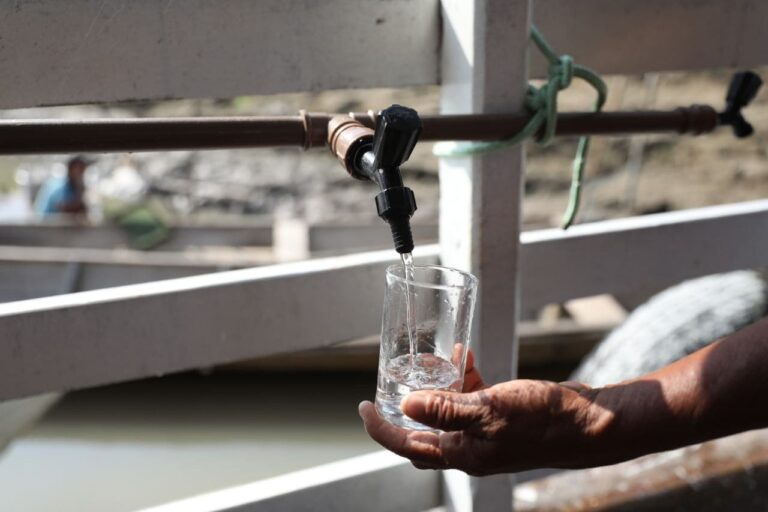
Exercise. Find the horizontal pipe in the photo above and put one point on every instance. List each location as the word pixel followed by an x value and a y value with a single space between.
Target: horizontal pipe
pixel 693 120
pixel 311 130
pixel 147 134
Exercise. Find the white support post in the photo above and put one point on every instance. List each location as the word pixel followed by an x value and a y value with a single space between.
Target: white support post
pixel 484 69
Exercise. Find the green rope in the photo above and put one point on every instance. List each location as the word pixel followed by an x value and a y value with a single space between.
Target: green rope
pixel 542 103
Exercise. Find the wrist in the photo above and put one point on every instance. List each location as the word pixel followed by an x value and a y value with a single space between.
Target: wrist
pixel 637 417
pixel 621 422
pixel 595 416
pixel 578 427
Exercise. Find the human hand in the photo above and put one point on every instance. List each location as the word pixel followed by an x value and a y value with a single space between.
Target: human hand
pixel 472 379
pixel 513 426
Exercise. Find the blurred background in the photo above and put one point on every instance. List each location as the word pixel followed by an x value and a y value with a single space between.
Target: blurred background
pixel 163 215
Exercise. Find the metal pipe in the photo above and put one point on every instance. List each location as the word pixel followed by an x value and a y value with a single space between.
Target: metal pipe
pixel 146 134
pixel 311 130
pixel 695 120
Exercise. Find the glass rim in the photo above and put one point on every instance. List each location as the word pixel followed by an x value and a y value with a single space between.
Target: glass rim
pixel 471 279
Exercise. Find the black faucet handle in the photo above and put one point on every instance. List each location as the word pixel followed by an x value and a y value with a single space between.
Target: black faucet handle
pixel 743 89
pixel 397 131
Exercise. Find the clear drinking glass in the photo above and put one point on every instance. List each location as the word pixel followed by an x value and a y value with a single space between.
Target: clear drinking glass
pixel 443 301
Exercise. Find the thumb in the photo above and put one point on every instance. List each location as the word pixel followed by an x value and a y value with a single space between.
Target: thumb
pixel 445 410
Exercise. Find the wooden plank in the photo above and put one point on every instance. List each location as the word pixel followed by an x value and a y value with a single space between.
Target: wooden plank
pixel 563 344
pixel 321 237
pixel 104 336
pixel 97 277
pixel 597 310
pixel 84 51
pixel 642 253
pixel 485 70
pixel 113 50
pixel 730 473
pixel 335 237
pixel 107 236
pixel 627 36
pixel 377 482
pixel 295 239
pixel 22 280
pixel 92 338
pixel 200 258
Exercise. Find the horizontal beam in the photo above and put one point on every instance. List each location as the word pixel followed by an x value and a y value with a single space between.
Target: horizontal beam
pixel 113 50
pixel 85 51
pixel 642 253
pixel 377 482
pixel 28 279
pixel 105 336
pixel 200 258
pixel 62 233
pixel 695 476
pixel 63 258
pixel 322 237
pixel 542 346
pixel 630 36
pixel 116 334
pixel 336 237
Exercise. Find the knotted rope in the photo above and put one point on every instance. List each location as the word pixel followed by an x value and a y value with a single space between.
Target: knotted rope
pixel 542 103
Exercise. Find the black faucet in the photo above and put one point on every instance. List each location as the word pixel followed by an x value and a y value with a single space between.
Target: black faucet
pixel 377 157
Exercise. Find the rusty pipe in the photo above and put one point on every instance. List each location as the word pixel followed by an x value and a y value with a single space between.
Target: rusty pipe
pixel 311 130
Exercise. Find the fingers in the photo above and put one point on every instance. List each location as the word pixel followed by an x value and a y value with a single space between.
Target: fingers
pixel 470 361
pixel 575 386
pixel 427 465
pixel 422 448
pixel 444 410
pixel 472 379
pixel 457 354
pixel 426 450
pixel 473 382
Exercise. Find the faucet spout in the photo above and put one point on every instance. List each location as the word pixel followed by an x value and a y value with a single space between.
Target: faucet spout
pixel 377 156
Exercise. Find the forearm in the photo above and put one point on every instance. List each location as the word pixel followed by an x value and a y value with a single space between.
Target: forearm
pixel 716 391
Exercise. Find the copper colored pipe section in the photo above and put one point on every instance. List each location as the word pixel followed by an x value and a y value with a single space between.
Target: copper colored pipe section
pixel 348 140
pixel 311 130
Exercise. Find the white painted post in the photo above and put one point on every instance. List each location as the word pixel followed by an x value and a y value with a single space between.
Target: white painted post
pixel 484 68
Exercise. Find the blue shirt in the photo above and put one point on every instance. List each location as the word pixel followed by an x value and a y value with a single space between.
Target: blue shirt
pixel 55 191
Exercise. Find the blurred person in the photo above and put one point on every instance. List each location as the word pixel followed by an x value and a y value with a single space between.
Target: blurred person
pixel 64 194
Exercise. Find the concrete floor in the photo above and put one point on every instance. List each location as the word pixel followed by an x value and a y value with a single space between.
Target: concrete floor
pixel 129 446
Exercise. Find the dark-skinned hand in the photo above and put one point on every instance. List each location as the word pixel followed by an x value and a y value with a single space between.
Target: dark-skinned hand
pixel 508 427
pixel 526 424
